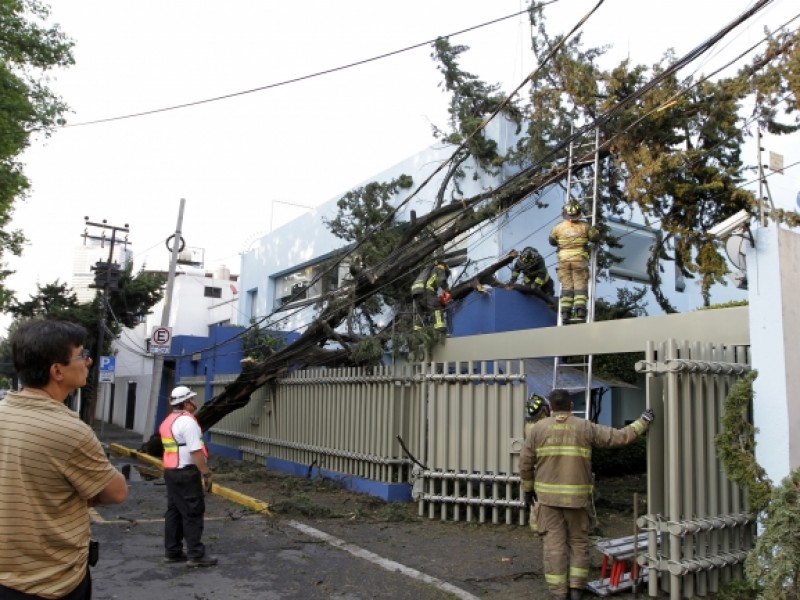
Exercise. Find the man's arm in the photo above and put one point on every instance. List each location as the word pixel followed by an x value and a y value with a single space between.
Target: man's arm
pixel 202 465
pixel 115 492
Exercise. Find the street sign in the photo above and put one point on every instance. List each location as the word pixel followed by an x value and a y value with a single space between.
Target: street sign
pixel 106 369
pixel 160 340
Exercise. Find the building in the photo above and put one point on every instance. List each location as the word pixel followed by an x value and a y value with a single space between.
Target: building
pixel 203 308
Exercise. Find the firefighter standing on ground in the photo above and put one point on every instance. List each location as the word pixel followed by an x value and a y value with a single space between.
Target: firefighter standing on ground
pixel 536 409
pixel 187 477
pixel 530 265
pixel 572 237
pixel 431 293
pixel 556 464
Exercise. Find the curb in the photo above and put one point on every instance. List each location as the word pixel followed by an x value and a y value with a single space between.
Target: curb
pixel 254 504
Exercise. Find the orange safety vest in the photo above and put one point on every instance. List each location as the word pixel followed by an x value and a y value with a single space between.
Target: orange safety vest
pixel 170 458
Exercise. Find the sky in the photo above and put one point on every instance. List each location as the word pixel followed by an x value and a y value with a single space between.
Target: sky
pixel 249 163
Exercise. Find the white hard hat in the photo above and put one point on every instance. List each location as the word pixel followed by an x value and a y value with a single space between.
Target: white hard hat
pixel 180 394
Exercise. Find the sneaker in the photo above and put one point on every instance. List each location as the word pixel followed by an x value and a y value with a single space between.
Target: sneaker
pixel 175 558
pixel 202 561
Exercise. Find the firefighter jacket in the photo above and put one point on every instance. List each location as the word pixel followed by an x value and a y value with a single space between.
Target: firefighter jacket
pixel 170 459
pixel 572 239
pixel 431 279
pixel 557 456
pixel 535 272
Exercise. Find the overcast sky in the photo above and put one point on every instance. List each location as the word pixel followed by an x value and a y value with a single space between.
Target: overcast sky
pixel 243 162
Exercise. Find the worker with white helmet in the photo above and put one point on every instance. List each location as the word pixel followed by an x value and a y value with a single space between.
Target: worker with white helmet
pixel 187 477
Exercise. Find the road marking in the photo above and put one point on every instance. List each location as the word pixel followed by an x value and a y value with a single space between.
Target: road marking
pixel 384 563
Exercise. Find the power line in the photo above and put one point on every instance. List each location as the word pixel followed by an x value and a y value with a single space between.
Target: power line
pixel 293 80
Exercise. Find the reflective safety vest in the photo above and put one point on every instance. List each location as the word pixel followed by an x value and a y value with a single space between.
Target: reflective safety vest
pixel 170 458
pixel 430 279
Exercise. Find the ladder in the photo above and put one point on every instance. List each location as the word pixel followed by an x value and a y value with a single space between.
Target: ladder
pixel 584 155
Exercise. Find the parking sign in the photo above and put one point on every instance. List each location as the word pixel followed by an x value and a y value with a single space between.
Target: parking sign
pixel 106 369
pixel 160 340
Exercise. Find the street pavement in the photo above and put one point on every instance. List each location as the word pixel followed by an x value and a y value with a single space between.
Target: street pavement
pixel 261 557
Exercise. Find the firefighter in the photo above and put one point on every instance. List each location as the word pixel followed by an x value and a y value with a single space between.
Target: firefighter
pixel 556 464
pixel 572 237
pixel 536 408
pixel 431 293
pixel 530 265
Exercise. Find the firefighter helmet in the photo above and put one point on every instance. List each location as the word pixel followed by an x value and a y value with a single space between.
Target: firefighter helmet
pixel 180 395
pixel 572 210
pixel 536 408
pixel 529 256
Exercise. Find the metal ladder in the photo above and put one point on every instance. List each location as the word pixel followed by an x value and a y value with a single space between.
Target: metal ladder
pixel 580 153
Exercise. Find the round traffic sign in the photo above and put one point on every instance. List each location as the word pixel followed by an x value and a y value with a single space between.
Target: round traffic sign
pixel 161 335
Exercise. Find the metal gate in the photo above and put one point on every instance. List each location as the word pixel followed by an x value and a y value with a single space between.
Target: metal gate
pixel 472 438
pixel 701 516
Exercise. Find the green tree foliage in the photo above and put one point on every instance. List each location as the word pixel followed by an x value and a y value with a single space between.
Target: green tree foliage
pixel 29 48
pixel 736 445
pixel 366 219
pixel 672 156
pixel 127 304
pixel 774 562
pixel 258 344
pixel 471 102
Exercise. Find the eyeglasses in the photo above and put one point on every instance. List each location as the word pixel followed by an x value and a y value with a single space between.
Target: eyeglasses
pixel 84 355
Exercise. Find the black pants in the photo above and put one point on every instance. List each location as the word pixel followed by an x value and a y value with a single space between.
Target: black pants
pixel 82 592
pixel 185 509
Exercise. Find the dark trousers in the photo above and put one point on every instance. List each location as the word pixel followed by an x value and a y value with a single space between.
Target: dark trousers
pixel 82 592
pixel 185 509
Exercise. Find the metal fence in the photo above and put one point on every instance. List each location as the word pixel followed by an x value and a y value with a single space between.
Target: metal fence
pixel 475 424
pixel 342 420
pixel 701 516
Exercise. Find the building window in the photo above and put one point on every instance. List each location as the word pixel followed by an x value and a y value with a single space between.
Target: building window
pixel 301 286
pixel 212 292
pixel 637 243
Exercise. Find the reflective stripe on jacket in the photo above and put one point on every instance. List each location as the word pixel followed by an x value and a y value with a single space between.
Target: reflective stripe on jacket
pixel 557 455
pixel 170 458
pixel 572 239
pixel 430 279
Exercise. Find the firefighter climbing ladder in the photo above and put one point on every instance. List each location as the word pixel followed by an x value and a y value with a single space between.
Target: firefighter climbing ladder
pixel 582 172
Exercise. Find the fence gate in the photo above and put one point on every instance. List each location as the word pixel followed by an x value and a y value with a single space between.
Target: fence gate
pixel 701 516
pixel 474 425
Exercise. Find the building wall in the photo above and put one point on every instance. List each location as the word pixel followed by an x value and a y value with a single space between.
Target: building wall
pixel 193 316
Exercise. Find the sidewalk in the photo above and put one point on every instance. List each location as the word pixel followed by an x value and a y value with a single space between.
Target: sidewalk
pixel 108 433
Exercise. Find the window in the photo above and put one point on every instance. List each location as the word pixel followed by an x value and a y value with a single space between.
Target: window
pixel 637 242
pixel 212 292
pixel 301 285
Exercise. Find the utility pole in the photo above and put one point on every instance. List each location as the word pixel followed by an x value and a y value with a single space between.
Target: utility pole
pixel 158 358
pixel 106 277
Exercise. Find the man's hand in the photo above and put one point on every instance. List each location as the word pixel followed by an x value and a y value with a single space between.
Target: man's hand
pixel 649 415
pixel 207 481
pixel 530 498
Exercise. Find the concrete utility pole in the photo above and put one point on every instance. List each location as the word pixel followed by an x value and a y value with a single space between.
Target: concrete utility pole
pixel 104 272
pixel 158 358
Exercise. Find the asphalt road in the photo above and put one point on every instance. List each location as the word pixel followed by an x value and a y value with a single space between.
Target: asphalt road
pixel 260 557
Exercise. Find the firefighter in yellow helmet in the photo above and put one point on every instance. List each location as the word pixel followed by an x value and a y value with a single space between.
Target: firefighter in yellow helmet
pixel 431 293
pixel 572 237
pixel 556 458
pixel 536 408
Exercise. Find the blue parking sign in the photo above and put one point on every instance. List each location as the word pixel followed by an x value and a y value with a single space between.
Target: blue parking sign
pixel 106 369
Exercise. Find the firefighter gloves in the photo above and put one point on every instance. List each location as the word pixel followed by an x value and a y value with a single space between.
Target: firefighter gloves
pixel 530 498
pixel 649 415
